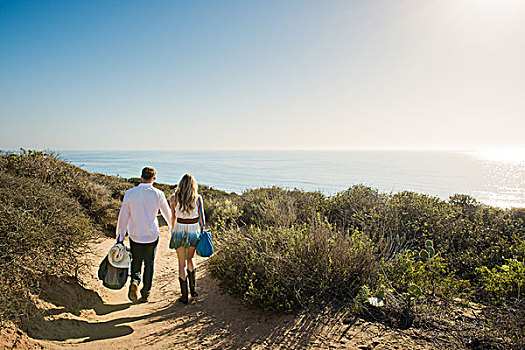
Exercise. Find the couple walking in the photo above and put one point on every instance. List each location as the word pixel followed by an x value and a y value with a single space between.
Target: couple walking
pixel 138 218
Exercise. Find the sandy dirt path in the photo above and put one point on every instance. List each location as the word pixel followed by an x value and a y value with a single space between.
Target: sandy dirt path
pixel 93 317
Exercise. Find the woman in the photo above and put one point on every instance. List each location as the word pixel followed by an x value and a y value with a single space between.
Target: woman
pixel 187 224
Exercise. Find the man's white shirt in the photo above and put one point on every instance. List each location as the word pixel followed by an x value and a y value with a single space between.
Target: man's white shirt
pixel 138 214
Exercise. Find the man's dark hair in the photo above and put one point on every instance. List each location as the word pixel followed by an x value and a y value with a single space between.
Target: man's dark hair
pixel 148 173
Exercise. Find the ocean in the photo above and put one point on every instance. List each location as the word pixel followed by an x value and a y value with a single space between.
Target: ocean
pixel 492 177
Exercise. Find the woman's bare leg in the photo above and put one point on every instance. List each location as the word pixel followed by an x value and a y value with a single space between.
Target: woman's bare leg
pixel 181 256
pixel 190 251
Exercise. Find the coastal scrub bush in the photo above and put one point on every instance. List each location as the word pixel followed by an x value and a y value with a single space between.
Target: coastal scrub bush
pixel 221 208
pixel 416 217
pixel 223 214
pixel 267 207
pixel 277 207
pixel 97 194
pixel 43 232
pixel 290 268
pixel 468 234
pixel 504 282
pixel 481 235
pixel 356 208
pixel 433 276
pixel 50 211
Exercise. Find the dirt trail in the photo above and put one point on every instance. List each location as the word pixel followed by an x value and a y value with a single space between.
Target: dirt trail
pixel 93 317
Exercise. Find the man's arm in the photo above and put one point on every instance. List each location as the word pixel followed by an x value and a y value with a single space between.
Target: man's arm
pixel 123 219
pixel 165 210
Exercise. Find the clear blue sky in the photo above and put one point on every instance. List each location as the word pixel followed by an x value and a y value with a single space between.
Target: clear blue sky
pixel 262 74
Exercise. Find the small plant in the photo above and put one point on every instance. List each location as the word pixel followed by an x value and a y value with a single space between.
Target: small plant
pixel 365 292
pixel 413 292
pixel 427 252
pixel 427 256
pixel 368 298
pixel 381 293
pixel 400 240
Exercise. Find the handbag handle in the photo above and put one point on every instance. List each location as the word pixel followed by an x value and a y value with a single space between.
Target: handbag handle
pixel 201 213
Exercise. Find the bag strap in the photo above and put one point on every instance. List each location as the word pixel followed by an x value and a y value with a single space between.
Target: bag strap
pixel 201 213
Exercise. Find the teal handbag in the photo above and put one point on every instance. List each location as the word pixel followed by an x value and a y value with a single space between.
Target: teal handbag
pixel 204 246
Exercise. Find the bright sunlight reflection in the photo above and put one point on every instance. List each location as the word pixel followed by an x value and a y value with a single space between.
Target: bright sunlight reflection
pixel 505 155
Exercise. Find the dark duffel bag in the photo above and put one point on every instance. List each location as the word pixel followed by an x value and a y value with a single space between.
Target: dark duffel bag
pixel 112 277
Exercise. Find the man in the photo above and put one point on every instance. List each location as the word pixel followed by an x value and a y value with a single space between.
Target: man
pixel 138 216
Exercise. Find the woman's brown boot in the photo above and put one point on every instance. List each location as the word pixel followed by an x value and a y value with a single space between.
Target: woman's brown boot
pixel 191 278
pixel 184 290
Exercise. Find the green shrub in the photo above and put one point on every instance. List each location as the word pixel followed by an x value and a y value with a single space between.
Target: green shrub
pixel 50 211
pixel 98 195
pixel 286 269
pixel 357 208
pixel 434 276
pixel 504 282
pixel 468 234
pixel 42 232
pixel 267 207
pixel 277 207
pixel 222 214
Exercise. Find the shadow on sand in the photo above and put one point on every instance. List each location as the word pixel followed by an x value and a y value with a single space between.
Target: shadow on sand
pixel 70 297
pixel 214 321
pixel 218 321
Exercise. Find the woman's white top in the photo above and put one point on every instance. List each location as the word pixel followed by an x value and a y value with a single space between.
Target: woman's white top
pixel 194 213
pixel 190 228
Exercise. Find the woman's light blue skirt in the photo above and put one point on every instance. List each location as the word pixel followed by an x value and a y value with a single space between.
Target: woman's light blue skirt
pixel 185 235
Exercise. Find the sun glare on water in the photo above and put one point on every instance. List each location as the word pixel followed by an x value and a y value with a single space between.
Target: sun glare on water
pixel 503 155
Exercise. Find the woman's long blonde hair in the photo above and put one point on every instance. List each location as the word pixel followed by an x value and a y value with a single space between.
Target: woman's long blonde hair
pixel 186 193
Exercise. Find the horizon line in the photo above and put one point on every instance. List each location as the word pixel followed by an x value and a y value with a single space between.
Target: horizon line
pixel 397 149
